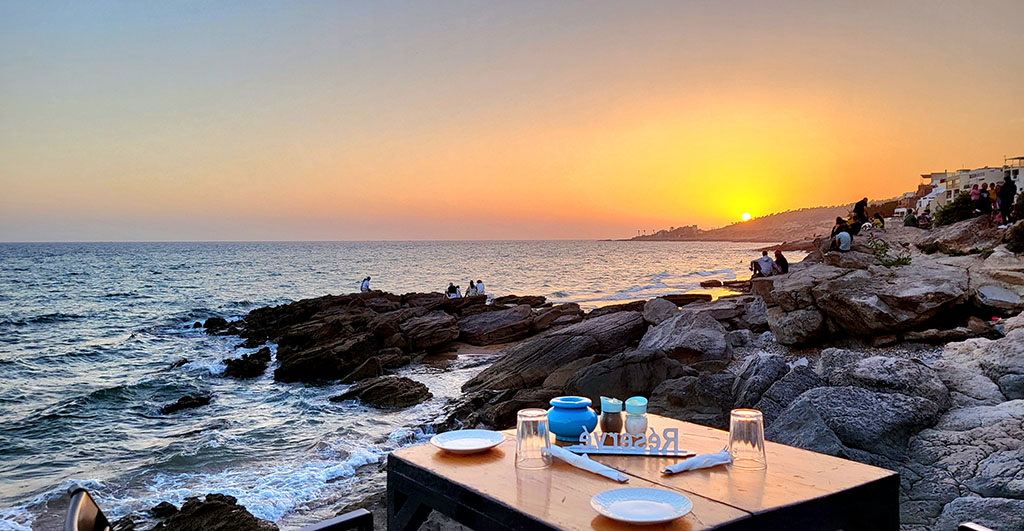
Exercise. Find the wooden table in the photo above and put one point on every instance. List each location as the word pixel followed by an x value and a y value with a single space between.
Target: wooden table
pixel 800 490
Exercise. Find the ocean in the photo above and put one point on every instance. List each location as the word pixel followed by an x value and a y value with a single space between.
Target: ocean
pixel 89 331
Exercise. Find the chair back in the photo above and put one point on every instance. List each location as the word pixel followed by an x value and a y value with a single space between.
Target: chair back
pixel 83 513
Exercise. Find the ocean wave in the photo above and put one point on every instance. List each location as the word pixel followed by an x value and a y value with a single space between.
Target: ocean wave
pixel 56 317
pixel 268 492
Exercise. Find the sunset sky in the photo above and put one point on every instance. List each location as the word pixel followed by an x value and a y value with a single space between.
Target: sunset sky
pixel 461 120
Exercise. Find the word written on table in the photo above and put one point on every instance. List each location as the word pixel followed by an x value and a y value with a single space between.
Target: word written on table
pixel 666 444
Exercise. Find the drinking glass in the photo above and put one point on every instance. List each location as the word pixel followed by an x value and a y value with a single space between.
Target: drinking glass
pixel 746 439
pixel 532 440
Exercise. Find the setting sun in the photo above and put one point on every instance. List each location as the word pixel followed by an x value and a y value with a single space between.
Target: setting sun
pixel 745 216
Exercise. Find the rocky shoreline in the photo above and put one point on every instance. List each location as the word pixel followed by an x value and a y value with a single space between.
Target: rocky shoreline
pixel 917 367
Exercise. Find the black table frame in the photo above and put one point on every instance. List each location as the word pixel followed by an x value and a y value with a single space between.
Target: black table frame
pixel 413 492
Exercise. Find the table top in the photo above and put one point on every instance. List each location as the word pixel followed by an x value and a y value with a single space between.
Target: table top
pixel 560 495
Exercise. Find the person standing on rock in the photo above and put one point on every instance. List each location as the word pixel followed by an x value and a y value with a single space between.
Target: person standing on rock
pixel 1007 194
pixel 365 287
pixel 860 214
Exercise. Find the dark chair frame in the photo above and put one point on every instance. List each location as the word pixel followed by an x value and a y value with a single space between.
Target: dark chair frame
pixel 84 514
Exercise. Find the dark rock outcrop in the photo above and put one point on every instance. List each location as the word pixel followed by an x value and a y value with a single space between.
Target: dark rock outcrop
pixel 534 301
pixel 757 374
pixel 218 512
pixel 635 373
pixel 249 365
pixel 527 364
pixel 186 402
pixel 387 391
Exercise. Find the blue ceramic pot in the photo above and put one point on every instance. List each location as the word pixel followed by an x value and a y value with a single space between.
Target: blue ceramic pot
pixel 569 415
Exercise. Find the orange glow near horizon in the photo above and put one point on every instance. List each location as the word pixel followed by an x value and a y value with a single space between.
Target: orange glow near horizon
pixel 325 121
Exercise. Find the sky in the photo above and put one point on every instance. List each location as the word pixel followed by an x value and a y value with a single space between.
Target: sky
pixel 146 120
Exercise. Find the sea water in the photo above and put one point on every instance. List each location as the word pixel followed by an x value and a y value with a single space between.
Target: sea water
pixel 88 333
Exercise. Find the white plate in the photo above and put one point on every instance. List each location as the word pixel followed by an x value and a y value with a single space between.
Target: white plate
pixel 641 506
pixel 467 441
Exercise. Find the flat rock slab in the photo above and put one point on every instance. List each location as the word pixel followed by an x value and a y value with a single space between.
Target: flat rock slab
pixel 387 391
pixel 496 327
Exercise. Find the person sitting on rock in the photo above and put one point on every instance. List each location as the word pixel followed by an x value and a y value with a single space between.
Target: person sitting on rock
pixel 365 287
pixel 841 242
pixel 924 221
pixel 878 221
pixel 840 226
pixel 762 267
pixel 781 264
pixel 471 292
pixel 451 291
pixel 911 219
pixel 480 287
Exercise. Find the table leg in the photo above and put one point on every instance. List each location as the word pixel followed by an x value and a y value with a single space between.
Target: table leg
pixel 405 512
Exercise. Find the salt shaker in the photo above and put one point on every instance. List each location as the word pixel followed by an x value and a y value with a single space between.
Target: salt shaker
pixel 611 415
pixel 636 415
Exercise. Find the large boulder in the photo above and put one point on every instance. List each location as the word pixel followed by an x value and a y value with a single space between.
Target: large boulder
pixel 998 300
pixel 496 327
pixel 881 301
pixel 971 450
pixel 975 234
pixel 696 339
pixel 877 423
pixel 703 399
pixel 387 391
pixel 785 390
pixel 993 513
pixel 612 332
pixel 430 330
pixel 658 310
pixel 1001 360
pixel 529 363
pixel 628 374
pixel 218 512
pixel 794 291
pixel 910 377
pixel 795 327
pixel 757 374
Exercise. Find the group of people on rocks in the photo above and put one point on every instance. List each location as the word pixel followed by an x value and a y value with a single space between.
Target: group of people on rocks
pixel 921 221
pixel 996 200
pixel 766 267
pixel 453 291
pixel 475 288
pixel 845 229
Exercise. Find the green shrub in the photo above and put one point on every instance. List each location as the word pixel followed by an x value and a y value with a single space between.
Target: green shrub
pixel 882 252
pixel 959 209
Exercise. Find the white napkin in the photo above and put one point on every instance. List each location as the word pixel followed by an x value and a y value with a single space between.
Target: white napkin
pixel 584 462
pixel 700 461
